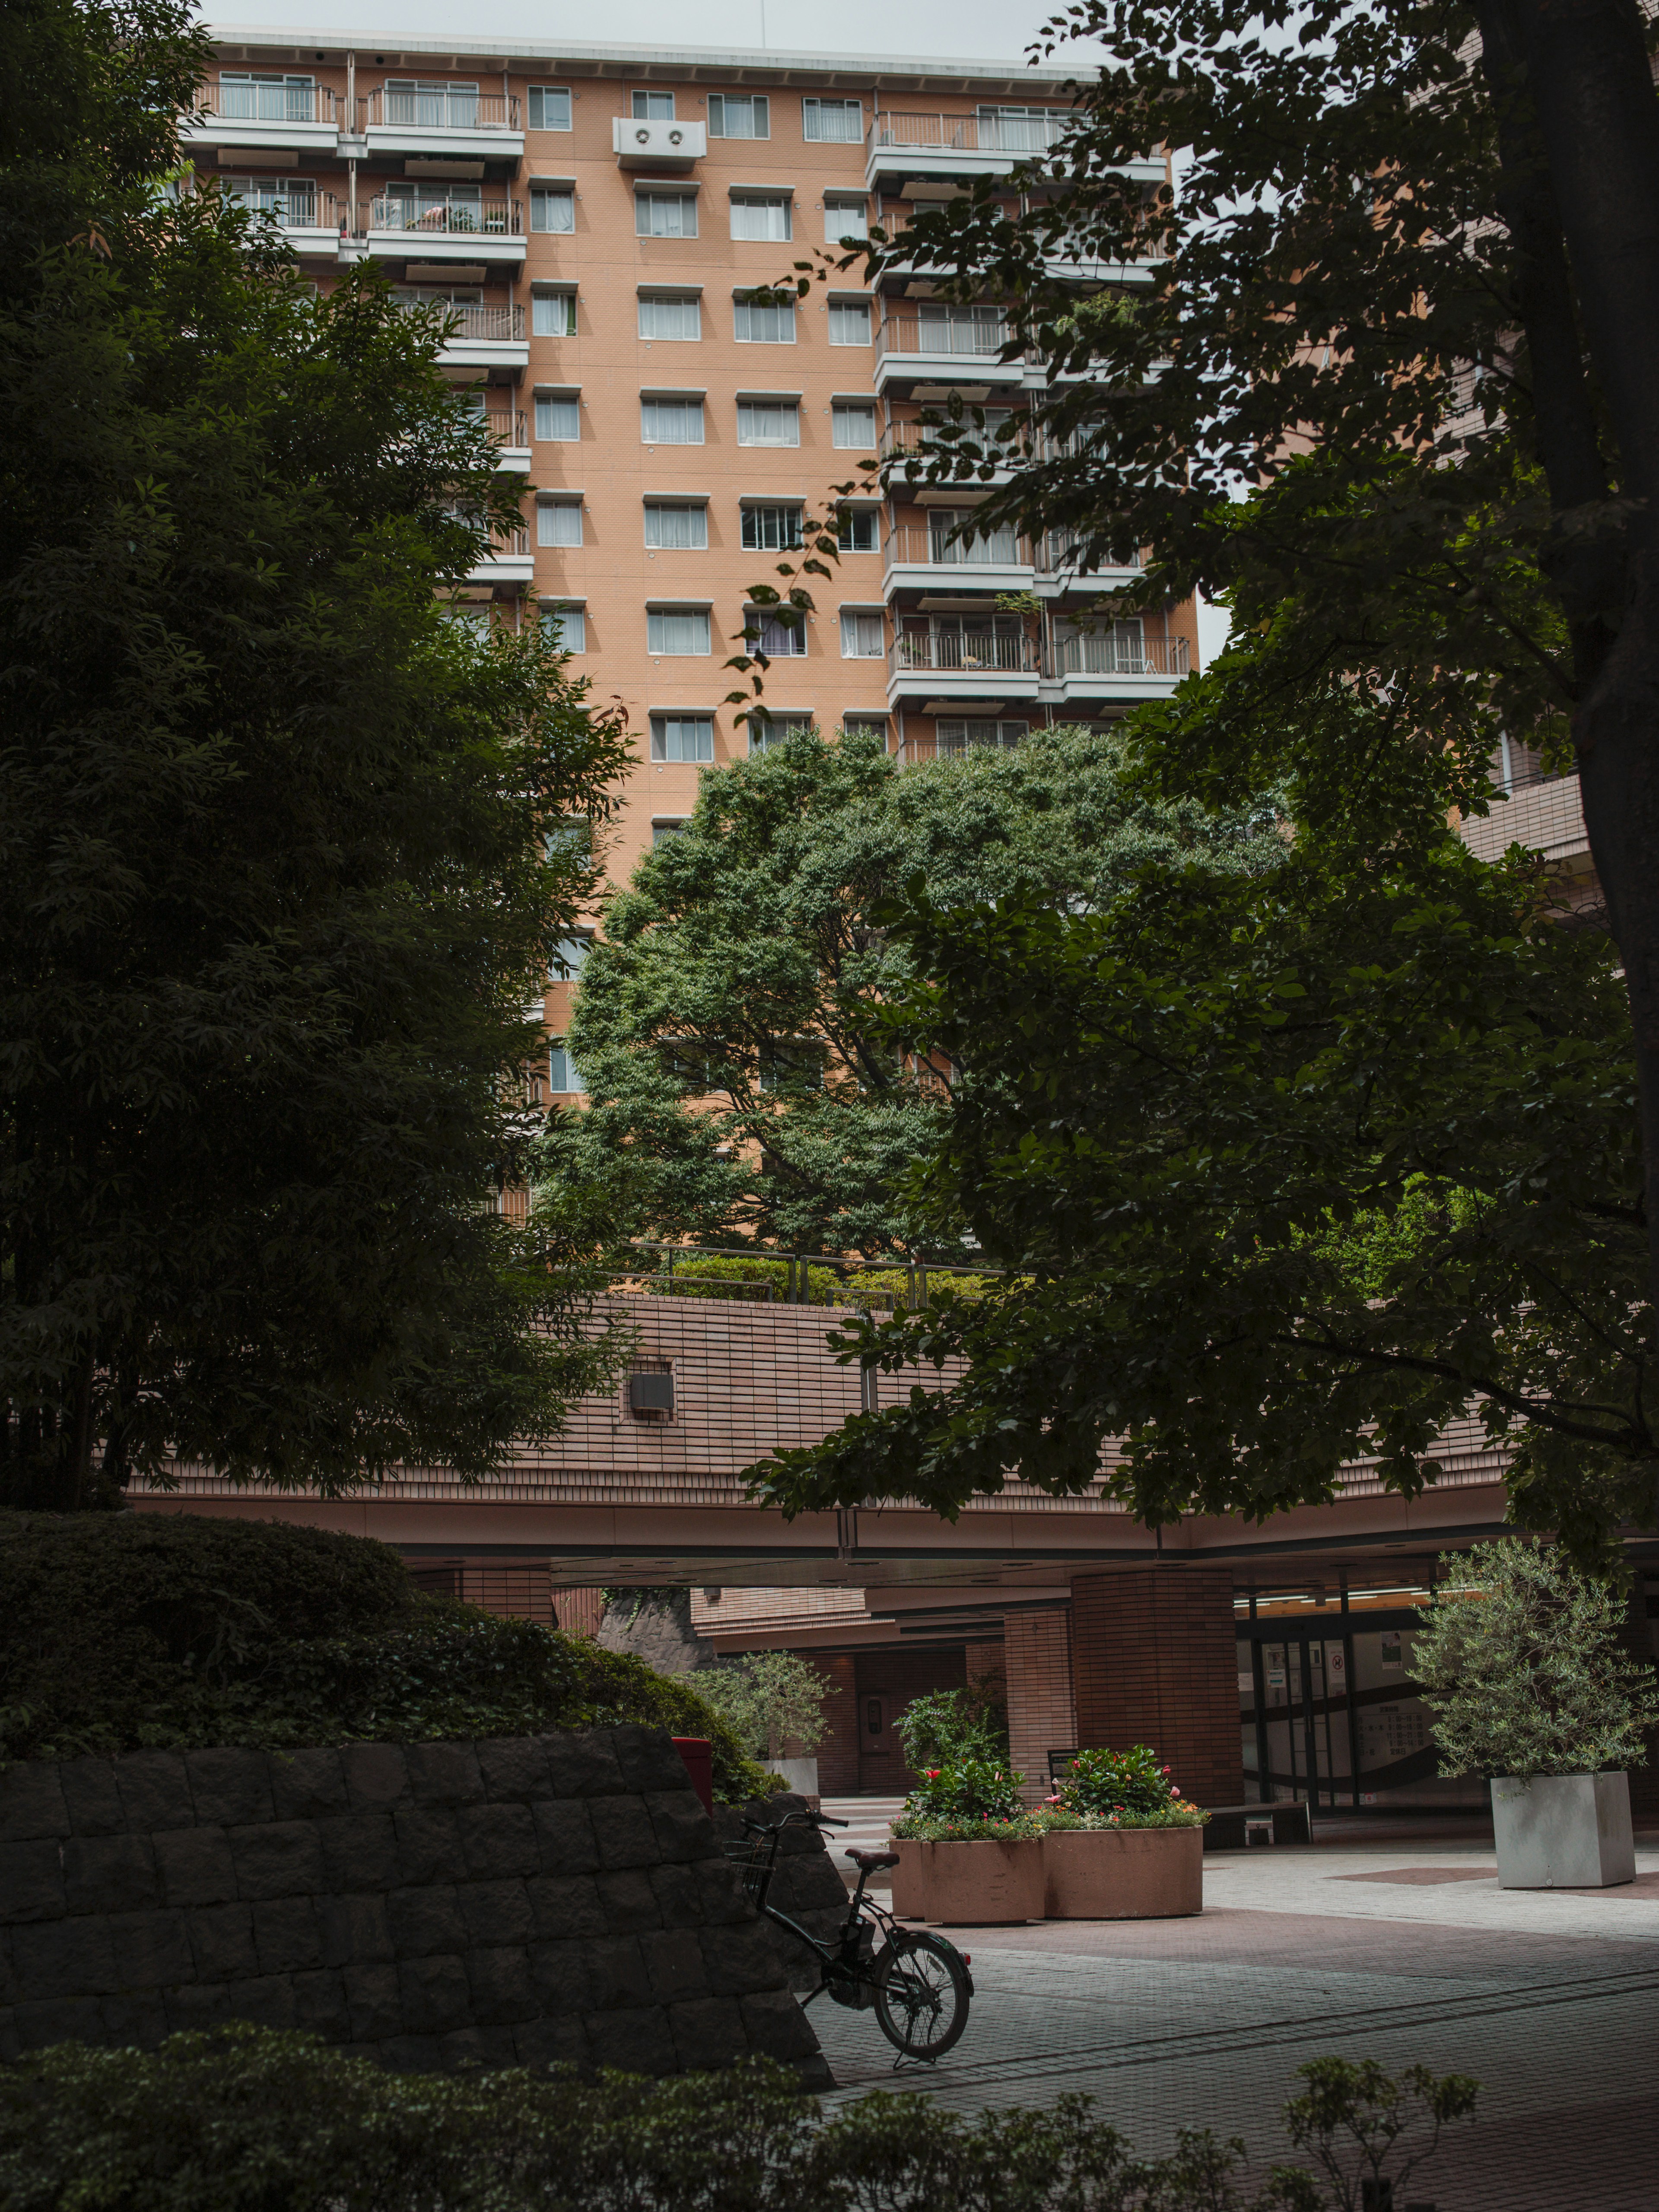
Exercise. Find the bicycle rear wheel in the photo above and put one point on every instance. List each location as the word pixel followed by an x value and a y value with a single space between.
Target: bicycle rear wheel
pixel 921 1994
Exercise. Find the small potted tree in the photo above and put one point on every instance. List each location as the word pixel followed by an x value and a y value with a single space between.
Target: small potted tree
pixel 1121 1842
pixel 969 1853
pixel 774 1702
pixel 1519 1660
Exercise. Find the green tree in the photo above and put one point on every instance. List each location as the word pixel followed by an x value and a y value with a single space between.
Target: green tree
pixel 277 868
pixel 1404 292
pixel 741 1081
pixel 1522 1661
pixel 767 1698
pixel 1286 1170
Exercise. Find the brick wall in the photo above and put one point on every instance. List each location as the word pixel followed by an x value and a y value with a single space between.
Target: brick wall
pixel 898 1676
pixel 548 1897
pixel 1154 1661
pixel 1041 1716
pixel 579 1611
pixel 838 1754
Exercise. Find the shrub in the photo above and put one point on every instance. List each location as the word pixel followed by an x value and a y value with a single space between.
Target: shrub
pixel 1124 1789
pixel 973 1799
pixel 944 1726
pixel 1523 1669
pixel 246 2119
pixel 768 1698
pixel 128 1631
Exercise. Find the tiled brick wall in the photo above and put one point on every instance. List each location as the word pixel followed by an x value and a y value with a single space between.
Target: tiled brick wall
pixel 548 1897
pixel 1041 1716
pixel 1154 1661
pixel 838 1754
pixel 579 1611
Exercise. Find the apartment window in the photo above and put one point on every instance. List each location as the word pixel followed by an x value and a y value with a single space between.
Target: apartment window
pixel 780 635
pixel 764 736
pixel 734 116
pixel 666 214
pixel 249 96
pixel 552 207
pixel 566 628
pixel 769 422
pixel 676 631
pixel 474 619
pixel 571 837
pixel 558 417
pixel 771 529
pixel 680 738
pixel 680 527
pixel 287 199
pixel 553 314
pixel 1019 130
pixel 759 324
pixel 665 828
pixel 653 107
pixel 852 425
pixel 973 736
pixel 832 122
pixel 550 107
pixel 670 422
pixel 863 634
pixel 855 530
pixel 563 1076
pixel 569 958
pixel 670 315
pixel 558 522
pixel 763 216
pixel 845 218
pixel 869 726
pixel 952 544
pixel 433 106
pixel 849 322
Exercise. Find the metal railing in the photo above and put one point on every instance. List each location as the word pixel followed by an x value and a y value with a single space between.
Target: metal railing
pixel 913 441
pixel 273 103
pixel 1055 551
pixel 481 326
pixel 911 545
pixel 509 426
pixel 971 134
pixel 446 218
pixel 980 337
pixel 963 653
pixel 991 735
pixel 507 545
pixel 295 210
pixel 447 109
pixel 758 1275
pixel 1104 654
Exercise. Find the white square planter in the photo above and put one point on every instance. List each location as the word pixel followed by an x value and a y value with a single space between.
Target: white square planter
pixel 1563 1832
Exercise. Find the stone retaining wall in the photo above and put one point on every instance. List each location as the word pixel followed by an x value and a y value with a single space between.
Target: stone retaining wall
pixel 560 1898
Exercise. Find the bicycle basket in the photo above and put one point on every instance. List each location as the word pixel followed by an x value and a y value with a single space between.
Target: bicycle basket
pixel 753 1859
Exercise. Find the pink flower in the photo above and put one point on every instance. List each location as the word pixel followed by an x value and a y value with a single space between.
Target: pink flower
pixel 1173 1792
pixel 1164 1770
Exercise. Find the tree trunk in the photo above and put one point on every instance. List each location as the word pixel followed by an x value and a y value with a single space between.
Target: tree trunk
pixel 1587 70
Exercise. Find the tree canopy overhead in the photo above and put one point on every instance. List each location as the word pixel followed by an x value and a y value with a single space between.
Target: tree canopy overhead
pixel 742 1082
pixel 275 872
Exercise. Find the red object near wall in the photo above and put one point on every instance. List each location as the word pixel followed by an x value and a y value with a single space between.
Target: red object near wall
pixel 699 1756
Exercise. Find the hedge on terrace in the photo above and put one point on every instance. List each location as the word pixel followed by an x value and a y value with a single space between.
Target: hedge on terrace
pixel 149 1632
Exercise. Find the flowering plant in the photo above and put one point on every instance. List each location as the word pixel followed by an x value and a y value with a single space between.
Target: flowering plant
pixel 980 1794
pixel 1123 1789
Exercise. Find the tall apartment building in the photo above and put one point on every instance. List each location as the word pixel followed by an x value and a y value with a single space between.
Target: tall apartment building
pixel 599 218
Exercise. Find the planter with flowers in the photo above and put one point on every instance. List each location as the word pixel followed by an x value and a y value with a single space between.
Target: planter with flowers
pixel 969 1855
pixel 1121 1842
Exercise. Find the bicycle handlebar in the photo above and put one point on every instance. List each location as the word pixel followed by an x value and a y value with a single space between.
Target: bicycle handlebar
pixel 777 1827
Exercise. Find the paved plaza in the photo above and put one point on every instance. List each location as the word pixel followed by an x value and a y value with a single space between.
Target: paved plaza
pixel 1397 1946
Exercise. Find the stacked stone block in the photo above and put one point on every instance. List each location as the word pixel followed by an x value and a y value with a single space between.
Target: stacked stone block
pixel 523 1901
pixel 805 1882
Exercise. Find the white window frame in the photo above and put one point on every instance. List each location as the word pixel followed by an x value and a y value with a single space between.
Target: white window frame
pixel 752 537
pixel 697 507
pixel 863 305
pixel 841 408
pixel 681 300
pixel 655 635
pixel 812 109
pixel 788 411
pixel 789 638
pixel 549 513
pixel 644 197
pixel 744 311
pixel 758 102
pixel 651 106
pixel 773 204
pixel 572 399
pixel 553 198
pixel 847 513
pixel 536 95
pixel 703 726
pixel 762 736
pixel 542 326
pixel 655 438
pixel 846 203
pixel 559 1063
pixel 855 622
pixel 569 626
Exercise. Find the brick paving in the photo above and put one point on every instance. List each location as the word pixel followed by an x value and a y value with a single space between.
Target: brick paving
pixel 1204 2021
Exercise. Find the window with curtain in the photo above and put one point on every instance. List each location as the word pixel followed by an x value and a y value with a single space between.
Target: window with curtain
pixel 732 115
pixel 558 522
pixel 853 426
pixel 563 1076
pixel 845 218
pixel 680 738
pixel 666 214
pixel 670 422
pixel 677 527
pixel 863 634
pixel 849 322
pixel 764 736
pixel 769 422
pixel 550 107
pixel 291 200
pixel 762 215
pixel 663 830
pixel 252 97
pixel 566 628
pixel 434 106
pixel 670 315
pixel 653 107
pixel 552 207
pixel 772 633
pixel 558 418
pixel 676 630
pixel 832 122
pixel 856 529
pixel 553 314
pixel 755 324
pixel 771 529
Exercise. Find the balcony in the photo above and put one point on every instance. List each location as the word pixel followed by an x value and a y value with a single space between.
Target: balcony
pixel 957 348
pixel 908 449
pixel 659 144
pixel 269 116
pixel 510 428
pixel 963 661
pixel 509 561
pixel 1059 572
pixel 1117 661
pixel 309 220
pixel 448 121
pixel 429 227
pixel 954 737
pixel 486 337
pixel 935 558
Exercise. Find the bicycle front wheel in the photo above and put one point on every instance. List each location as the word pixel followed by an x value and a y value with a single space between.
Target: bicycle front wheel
pixel 922 1995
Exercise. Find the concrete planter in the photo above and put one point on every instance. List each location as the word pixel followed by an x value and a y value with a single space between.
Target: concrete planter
pixel 909 1882
pixel 1123 1874
pixel 982 1884
pixel 801 1774
pixel 1563 1832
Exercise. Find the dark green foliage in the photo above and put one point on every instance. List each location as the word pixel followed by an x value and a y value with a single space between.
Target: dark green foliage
pixel 1105 1783
pixel 1287 1171
pixel 276 870
pixel 943 1726
pixel 1365 2130
pixel 162 1632
pixel 249 2120
pixel 968 1789
pixel 740 1079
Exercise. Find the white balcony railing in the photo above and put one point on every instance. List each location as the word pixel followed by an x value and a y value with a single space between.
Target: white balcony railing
pixel 962 652
pixel 433 218
pixel 485 325
pixel 447 108
pixel 978 333
pixel 1118 650
pixel 231 102
pixel 301 208
pixel 936 546
pixel 969 134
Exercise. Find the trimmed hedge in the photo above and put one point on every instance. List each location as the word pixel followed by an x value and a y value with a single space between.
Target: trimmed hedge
pixel 150 1632
pixel 246 2119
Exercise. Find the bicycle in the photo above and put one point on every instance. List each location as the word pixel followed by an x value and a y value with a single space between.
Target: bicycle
pixel 917 1983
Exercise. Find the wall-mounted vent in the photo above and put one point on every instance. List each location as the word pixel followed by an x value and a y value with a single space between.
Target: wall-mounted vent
pixel 651 1390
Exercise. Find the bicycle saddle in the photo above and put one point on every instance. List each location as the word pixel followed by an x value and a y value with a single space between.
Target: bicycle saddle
pixel 872 1862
